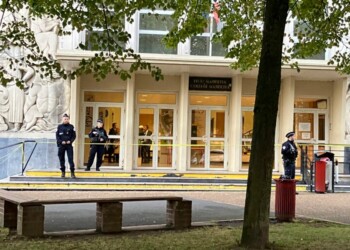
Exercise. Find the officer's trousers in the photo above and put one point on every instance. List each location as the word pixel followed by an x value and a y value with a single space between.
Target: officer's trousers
pixel 61 156
pixel 289 168
pixel 96 149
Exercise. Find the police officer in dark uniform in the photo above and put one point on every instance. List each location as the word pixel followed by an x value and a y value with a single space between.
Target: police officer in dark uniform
pixel 289 154
pixel 98 137
pixel 65 136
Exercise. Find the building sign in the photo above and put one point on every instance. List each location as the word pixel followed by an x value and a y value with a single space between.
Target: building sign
pixel 210 83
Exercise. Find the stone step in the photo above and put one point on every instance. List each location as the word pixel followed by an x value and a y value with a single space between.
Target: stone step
pixel 126 179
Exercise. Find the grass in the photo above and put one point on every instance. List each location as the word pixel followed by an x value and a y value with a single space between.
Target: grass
pixel 302 234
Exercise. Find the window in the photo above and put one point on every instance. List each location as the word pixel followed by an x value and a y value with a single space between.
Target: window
pixel 310 103
pixel 97 36
pixel 153 27
pixel 152 98
pixel 247 128
pixel 203 45
pixel 95 96
pixel 205 100
pixel 95 39
pixel 301 28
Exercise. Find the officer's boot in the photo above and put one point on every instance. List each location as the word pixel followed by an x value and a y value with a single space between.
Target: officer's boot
pixel 63 174
pixel 87 169
pixel 72 175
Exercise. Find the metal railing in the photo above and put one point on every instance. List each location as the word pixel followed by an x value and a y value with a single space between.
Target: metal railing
pixel 24 161
pixel 306 166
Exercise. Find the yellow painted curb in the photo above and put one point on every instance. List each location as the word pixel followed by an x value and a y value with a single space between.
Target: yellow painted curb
pixel 111 174
pixel 132 186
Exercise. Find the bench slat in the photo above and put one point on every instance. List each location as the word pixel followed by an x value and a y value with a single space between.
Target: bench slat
pixel 100 200
pixel 14 198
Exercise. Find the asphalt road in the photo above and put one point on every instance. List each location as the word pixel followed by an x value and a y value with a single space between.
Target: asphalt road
pixel 83 216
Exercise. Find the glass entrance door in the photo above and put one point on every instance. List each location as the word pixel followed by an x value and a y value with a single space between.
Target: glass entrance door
pixel 310 128
pixel 207 139
pixel 155 137
pixel 112 117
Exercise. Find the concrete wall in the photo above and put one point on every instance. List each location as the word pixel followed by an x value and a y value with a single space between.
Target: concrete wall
pixel 44 156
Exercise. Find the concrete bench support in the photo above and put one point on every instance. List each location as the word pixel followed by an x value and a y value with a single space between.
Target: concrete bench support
pixel 179 214
pixel 109 216
pixel 30 221
pixel 8 214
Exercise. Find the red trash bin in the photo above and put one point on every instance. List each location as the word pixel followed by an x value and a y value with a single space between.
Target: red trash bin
pixel 285 199
pixel 320 177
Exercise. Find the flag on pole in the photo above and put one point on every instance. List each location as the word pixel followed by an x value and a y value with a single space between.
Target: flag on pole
pixel 216 9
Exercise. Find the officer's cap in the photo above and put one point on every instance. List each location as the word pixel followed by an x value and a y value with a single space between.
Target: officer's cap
pixel 290 134
pixel 100 121
pixel 65 115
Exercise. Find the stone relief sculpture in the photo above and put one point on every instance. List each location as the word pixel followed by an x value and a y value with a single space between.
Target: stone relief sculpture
pixel 16 96
pixel 4 107
pixel 44 104
pixel 46 35
pixel 39 105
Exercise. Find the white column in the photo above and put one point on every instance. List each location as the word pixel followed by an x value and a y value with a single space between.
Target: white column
pixel 234 128
pixel 183 123
pixel 74 116
pixel 74 100
pixel 339 119
pixel 129 124
pixel 286 116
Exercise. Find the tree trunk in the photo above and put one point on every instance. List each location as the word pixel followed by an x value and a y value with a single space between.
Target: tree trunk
pixel 257 205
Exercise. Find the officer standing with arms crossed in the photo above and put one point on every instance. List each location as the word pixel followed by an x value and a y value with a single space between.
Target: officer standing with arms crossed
pixel 65 136
pixel 289 154
pixel 98 136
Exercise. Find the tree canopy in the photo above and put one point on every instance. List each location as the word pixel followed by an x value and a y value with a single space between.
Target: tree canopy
pixel 253 31
pixel 318 26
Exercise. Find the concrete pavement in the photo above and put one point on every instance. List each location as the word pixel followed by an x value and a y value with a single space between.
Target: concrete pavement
pixel 207 206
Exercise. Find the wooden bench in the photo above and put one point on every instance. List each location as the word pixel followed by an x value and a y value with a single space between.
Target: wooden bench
pixel 26 214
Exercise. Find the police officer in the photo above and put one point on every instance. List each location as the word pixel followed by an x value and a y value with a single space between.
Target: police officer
pixel 289 154
pixel 98 137
pixel 65 136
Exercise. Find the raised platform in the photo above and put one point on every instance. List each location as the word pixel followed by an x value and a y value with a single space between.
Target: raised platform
pixel 114 180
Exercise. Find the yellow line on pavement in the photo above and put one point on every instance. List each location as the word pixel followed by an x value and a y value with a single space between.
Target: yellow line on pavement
pixel 132 186
pixel 110 174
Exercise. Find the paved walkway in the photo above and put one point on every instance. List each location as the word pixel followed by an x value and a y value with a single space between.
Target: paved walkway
pixel 331 206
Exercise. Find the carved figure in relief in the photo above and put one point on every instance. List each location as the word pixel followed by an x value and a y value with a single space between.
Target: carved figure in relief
pixel 4 107
pixel 43 104
pixel 46 35
pixel 16 96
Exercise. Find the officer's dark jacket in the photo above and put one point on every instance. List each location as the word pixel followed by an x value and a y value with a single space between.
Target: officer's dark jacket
pixel 289 150
pixel 98 133
pixel 65 132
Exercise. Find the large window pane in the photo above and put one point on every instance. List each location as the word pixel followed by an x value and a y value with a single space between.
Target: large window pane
pixel 156 22
pixel 198 123
pixel 166 121
pixel 321 127
pixel 217 123
pixel 197 154
pixel 247 124
pixel 98 38
pixel 152 43
pixel 165 153
pixel 200 46
pixel 216 154
pixel 218 49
